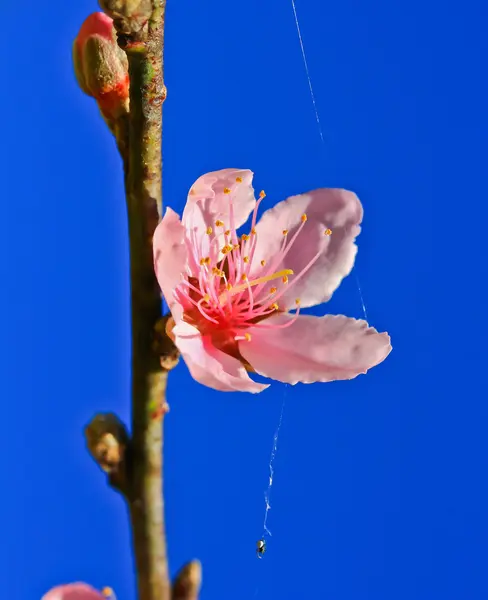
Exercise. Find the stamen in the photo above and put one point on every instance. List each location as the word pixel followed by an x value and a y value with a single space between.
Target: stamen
pixel 275 306
pixel 246 337
pixel 285 279
pixel 209 231
pixel 263 262
pixel 245 259
pixel 238 179
pixel 285 232
pixel 239 288
pixel 328 231
pixel 303 218
pixel 273 290
pixel 245 237
pixel 253 231
pixel 227 190
pixel 262 194
pixel 227 232
pixel 219 223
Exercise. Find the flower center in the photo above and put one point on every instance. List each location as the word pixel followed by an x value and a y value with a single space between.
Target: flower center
pixel 221 300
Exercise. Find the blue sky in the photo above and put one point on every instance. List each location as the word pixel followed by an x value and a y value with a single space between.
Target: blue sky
pixel 380 488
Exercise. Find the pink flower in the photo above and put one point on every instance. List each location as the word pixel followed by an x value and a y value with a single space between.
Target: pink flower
pixel 235 300
pixel 77 591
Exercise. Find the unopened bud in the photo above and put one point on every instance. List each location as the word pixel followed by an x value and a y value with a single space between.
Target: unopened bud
pixel 131 15
pixel 101 66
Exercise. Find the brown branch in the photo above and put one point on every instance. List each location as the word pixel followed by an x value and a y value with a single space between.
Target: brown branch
pixel 144 200
pixel 135 466
pixel 141 151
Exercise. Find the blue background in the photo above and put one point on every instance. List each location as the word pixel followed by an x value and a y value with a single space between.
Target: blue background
pixel 380 488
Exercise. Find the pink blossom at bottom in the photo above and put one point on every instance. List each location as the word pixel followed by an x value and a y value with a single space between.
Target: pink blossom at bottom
pixel 236 299
pixel 75 591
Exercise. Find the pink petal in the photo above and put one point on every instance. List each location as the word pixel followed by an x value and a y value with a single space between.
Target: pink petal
pixel 314 349
pixel 334 209
pixel 170 257
pixel 73 591
pixel 207 202
pixel 211 366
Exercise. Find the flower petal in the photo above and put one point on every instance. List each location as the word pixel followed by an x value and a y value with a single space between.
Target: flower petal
pixel 334 209
pixel 170 256
pixel 73 591
pixel 314 349
pixel 207 202
pixel 209 365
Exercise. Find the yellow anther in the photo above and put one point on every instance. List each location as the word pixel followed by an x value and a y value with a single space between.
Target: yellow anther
pixel 284 279
pixel 275 306
pixel 227 191
pixel 285 231
pixel 248 337
pixel 227 232
pixel 253 231
pixel 235 247
pixel 245 237
pixel 238 179
pixel 215 271
pixel 303 218
pixel 207 260
pixel 328 232
pixel 228 286
pixel 246 259
pixel 206 298
pixel 226 249
pixel 263 262
pixel 209 231
pixel 273 290
pixel 219 223
pixel 107 592
pixel 202 261
pixel 243 277
pixel 297 301
pixel 262 194
pixel 244 286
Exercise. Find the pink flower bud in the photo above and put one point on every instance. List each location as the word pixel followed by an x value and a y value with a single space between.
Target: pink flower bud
pixel 101 66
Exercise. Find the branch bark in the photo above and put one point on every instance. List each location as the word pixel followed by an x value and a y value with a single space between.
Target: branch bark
pixel 135 465
pixel 143 180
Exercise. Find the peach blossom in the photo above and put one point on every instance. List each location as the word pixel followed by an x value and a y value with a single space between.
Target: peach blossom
pixel 236 299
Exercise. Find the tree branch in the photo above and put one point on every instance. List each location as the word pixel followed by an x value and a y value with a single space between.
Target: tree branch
pixel 135 465
pixel 143 181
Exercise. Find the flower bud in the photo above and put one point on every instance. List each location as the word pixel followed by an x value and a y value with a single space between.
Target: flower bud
pixel 101 67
